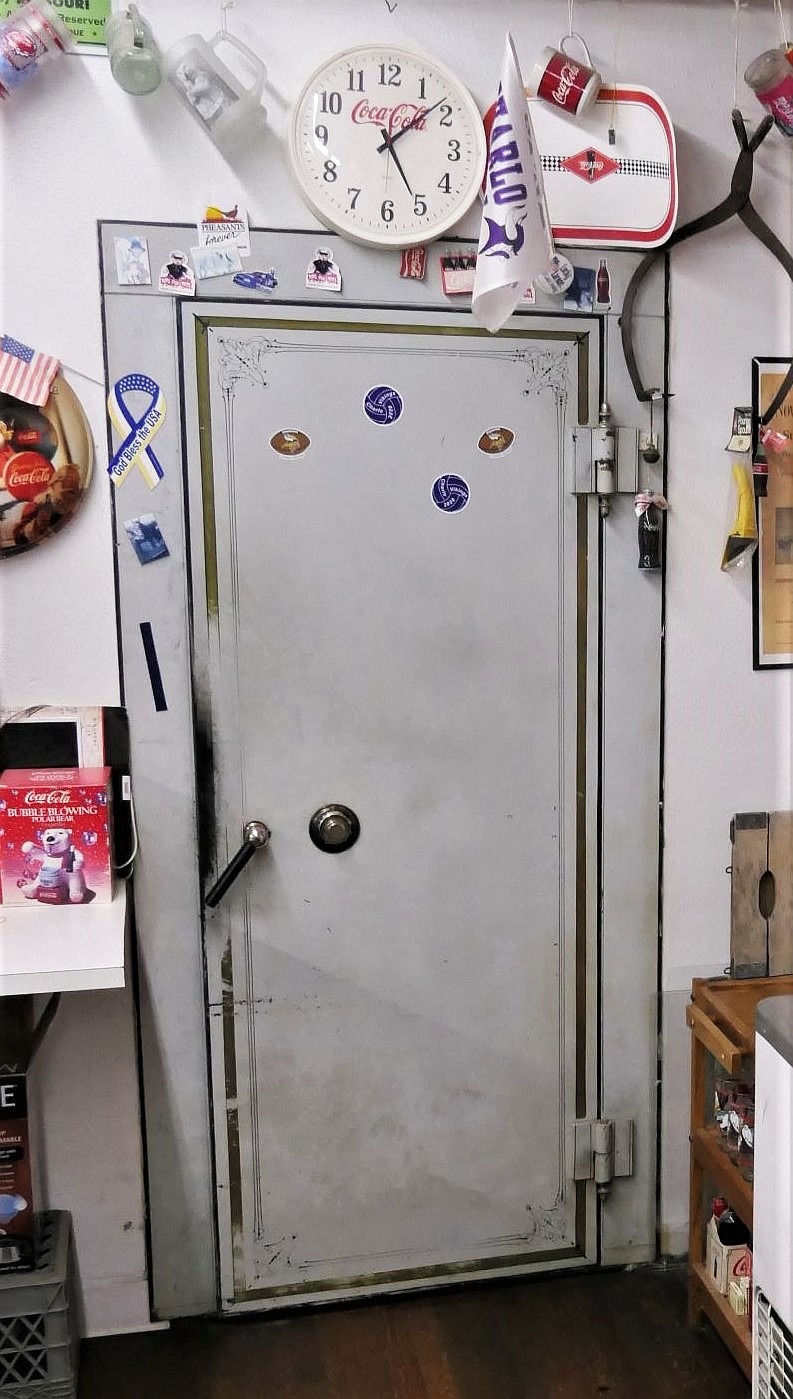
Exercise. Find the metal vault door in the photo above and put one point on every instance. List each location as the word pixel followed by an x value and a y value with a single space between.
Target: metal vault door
pixel 393 613
pixel 175 712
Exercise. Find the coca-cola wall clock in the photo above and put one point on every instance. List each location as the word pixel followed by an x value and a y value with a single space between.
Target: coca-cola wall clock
pixel 387 145
pixel 46 456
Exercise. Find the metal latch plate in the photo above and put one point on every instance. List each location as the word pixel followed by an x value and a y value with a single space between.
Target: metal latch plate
pixel 626 465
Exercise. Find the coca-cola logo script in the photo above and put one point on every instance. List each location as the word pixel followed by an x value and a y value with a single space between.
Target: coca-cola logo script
pixel 565 82
pixel 57 794
pixel 27 474
pixel 393 119
pixel 567 79
pixel 590 165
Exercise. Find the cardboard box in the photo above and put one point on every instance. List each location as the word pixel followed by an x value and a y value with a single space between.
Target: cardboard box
pixel 55 836
pixel 16 1192
pixel 725 1263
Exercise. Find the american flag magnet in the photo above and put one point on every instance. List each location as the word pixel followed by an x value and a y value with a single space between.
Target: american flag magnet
pixel 26 373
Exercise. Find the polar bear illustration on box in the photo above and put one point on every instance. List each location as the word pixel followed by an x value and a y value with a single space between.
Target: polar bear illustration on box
pixel 60 877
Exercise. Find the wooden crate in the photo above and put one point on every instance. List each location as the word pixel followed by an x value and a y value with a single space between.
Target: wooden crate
pixel 761 903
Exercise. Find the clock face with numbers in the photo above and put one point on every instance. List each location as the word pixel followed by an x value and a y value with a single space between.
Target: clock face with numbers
pixel 388 146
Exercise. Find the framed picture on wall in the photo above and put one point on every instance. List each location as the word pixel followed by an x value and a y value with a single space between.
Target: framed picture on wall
pixel 772 565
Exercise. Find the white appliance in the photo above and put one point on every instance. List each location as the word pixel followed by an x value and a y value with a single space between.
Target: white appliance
pixel 772 1370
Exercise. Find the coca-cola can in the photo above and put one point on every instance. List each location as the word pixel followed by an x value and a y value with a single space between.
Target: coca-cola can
pixel 771 77
pixel 565 82
pixel 29 37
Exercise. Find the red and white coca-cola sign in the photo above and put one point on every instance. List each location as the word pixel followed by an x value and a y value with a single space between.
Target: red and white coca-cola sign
pixel 27 474
pixel 393 119
pixel 57 794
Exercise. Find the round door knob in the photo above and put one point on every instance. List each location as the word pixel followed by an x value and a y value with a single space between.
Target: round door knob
pixel 334 828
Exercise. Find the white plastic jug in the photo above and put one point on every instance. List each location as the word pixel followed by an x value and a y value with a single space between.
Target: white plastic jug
pixel 229 112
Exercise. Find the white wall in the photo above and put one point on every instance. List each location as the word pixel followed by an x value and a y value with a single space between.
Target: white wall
pixel 728 729
pixel 74 148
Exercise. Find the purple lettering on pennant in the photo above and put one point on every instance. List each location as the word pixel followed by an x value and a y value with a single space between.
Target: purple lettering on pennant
pixel 516 194
pixel 508 152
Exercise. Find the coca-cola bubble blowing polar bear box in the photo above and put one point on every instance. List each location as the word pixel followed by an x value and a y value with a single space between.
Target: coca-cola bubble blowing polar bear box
pixel 55 836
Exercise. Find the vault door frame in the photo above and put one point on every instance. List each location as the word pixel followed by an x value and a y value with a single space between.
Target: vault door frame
pixel 142 334
pixel 234 994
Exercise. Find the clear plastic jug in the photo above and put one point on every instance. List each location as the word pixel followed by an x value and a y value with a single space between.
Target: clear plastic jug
pixel 228 111
pixel 132 49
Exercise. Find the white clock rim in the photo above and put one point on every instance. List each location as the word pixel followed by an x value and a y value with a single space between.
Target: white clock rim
pixel 335 223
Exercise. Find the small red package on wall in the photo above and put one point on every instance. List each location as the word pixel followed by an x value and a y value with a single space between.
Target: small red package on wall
pixel 55 840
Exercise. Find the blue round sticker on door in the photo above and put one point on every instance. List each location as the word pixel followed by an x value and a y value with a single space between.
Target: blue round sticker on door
pixel 383 404
pixel 450 493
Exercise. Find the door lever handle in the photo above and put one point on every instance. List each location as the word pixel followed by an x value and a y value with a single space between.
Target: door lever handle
pixel 255 837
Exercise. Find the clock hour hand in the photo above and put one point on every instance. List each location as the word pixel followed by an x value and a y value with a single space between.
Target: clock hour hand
pixel 420 115
pixel 388 146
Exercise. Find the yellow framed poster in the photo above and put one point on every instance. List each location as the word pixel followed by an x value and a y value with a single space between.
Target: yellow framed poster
pixel 773 562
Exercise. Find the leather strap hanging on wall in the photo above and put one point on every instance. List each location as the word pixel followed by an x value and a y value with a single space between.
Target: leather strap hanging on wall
pixel 738 203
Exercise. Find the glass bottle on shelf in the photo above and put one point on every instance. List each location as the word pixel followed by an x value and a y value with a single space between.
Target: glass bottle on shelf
pixel 730 1229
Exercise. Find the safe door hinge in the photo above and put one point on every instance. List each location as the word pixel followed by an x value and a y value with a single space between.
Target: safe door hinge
pixel 603 1150
pixel 605 460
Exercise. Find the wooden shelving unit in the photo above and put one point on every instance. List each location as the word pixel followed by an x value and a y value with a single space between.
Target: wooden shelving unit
pixel 708 1150
pixel 721 1019
pixel 733 1329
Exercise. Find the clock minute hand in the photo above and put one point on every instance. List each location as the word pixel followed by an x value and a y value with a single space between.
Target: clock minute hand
pixel 420 116
pixel 395 158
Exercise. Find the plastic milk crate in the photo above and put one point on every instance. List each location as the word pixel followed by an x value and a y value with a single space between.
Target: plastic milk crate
pixel 38 1333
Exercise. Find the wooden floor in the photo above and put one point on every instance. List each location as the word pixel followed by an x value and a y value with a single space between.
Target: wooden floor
pixel 622 1335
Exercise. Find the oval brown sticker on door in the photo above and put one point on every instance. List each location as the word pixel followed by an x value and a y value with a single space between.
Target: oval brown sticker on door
pixel 290 442
pixel 496 441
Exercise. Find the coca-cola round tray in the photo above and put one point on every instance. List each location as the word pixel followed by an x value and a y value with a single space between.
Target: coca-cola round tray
pixel 619 192
pixel 46 456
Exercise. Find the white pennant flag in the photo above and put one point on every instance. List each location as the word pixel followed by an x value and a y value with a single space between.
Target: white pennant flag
pixel 515 244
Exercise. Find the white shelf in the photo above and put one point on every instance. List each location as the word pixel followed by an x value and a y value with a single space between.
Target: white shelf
pixel 62 947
